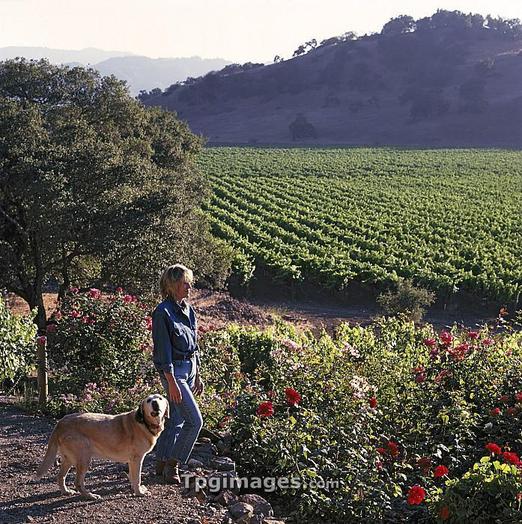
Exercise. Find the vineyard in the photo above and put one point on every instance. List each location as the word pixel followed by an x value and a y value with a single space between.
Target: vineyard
pixel 450 220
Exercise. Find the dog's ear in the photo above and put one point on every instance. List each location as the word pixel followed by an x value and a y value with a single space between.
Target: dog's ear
pixel 140 418
pixel 167 412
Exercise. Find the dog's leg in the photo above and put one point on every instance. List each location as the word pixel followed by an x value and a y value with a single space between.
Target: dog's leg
pixel 65 466
pixel 81 469
pixel 135 465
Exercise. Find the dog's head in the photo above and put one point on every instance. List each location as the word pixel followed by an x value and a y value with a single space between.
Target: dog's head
pixel 153 410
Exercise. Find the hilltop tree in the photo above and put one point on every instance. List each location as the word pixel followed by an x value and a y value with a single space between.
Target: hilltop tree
pixel 399 25
pixel 94 187
pixel 305 48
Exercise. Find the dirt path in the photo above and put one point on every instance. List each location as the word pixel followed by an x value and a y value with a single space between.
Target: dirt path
pixel 217 309
pixel 23 439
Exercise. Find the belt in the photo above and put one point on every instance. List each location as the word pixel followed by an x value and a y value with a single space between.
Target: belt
pixel 182 356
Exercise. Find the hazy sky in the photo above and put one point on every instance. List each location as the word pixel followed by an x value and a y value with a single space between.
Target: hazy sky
pixel 237 30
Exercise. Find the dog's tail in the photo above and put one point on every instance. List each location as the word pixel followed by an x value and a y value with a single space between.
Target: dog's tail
pixel 50 455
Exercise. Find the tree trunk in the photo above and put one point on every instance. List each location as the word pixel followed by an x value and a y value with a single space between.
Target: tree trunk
pixel 36 301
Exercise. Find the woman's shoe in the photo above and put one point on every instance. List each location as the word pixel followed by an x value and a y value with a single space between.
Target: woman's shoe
pixel 160 466
pixel 171 472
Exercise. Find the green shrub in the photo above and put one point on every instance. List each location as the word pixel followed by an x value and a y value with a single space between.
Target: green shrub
pixel 17 344
pixel 101 340
pixel 491 491
pixel 432 396
pixel 407 299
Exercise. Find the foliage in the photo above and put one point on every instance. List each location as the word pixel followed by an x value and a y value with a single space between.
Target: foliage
pixel 378 410
pixel 91 178
pixel 491 491
pixel 302 128
pixel 101 340
pixel 382 423
pixel 449 220
pixel 17 344
pixel 407 299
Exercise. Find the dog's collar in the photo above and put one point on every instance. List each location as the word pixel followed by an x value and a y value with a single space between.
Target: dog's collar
pixel 140 418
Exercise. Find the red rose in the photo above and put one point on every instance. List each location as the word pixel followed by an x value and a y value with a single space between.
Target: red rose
pixel 42 340
pixel 416 495
pixel 57 315
pixel 119 290
pixel 127 299
pixel 424 463
pixel 488 342
pixel 292 396
pixel 373 402
pixel 51 328
pixel 74 290
pixel 493 448
pixel 518 396
pixel 393 448
pixel 75 314
pixel 446 338
pixel 511 457
pixel 444 513
pixel 511 411
pixel 504 399
pixel 94 293
pixel 473 335
pixel 265 409
pixel 440 471
pixel 420 378
pixel 381 451
pixel 495 412
pixel 148 321
pixel 429 342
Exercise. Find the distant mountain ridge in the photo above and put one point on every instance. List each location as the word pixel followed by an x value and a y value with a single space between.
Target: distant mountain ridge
pixel 140 72
pixel 448 80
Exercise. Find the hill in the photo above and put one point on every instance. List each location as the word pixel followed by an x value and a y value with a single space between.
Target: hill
pixel 446 80
pixel 143 73
pixel 140 72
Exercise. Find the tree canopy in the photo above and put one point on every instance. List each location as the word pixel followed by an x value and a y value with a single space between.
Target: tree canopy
pixel 94 187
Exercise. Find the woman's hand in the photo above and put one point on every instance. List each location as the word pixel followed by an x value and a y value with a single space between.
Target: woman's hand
pixel 174 391
pixel 199 386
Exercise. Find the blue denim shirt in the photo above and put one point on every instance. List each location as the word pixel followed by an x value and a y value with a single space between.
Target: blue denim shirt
pixel 174 332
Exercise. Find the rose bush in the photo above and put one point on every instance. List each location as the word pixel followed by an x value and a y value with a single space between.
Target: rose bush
pixel 103 340
pixel 380 410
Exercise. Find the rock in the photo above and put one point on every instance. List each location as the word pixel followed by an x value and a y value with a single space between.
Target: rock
pixel 225 498
pixel 223 464
pixel 225 443
pixel 241 510
pixel 195 464
pixel 260 505
pixel 206 435
pixel 220 480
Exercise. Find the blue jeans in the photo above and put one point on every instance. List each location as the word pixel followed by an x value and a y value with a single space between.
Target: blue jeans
pixel 185 422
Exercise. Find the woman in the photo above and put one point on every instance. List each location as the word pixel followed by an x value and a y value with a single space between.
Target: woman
pixel 175 356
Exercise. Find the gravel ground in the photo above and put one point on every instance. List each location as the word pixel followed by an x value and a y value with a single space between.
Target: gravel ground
pixel 23 440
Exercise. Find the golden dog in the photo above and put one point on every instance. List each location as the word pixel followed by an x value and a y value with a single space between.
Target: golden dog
pixel 127 437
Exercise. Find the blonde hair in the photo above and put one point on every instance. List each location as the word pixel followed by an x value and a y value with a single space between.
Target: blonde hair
pixel 171 275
